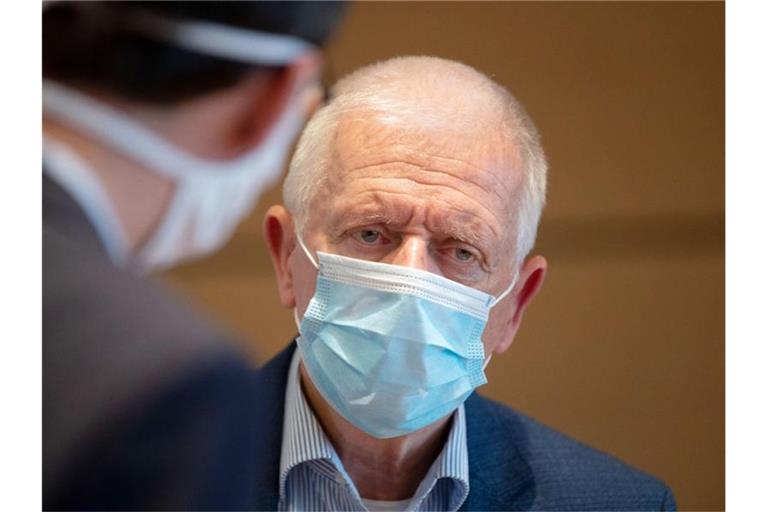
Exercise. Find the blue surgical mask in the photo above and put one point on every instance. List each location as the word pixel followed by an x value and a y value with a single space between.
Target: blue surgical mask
pixel 391 348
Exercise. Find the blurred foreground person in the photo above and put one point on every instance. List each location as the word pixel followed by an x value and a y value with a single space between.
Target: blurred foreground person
pixel 163 122
pixel 411 208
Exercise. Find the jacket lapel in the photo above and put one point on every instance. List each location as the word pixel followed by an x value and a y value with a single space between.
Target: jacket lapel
pixel 270 384
pixel 499 476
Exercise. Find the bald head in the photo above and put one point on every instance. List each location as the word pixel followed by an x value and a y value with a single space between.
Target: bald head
pixel 424 102
pixel 426 92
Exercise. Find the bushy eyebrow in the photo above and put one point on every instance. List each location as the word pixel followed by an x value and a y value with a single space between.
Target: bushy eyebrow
pixel 364 215
pixel 470 231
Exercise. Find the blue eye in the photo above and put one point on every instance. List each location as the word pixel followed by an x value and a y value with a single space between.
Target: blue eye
pixel 463 254
pixel 369 236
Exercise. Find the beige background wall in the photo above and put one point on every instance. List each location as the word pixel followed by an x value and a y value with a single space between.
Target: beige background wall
pixel 624 348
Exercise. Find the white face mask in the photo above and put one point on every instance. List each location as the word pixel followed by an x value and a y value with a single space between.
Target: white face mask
pixel 211 196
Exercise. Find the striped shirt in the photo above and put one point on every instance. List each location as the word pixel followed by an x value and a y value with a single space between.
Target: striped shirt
pixel 312 476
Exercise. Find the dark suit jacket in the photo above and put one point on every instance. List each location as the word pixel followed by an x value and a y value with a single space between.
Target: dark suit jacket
pixel 515 463
pixel 145 406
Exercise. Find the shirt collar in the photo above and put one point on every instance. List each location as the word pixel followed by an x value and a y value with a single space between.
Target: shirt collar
pixel 452 464
pixel 305 441
pixel 303 437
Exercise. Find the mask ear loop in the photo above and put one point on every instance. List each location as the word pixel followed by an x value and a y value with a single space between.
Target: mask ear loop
pixel 296 319
pixel 306 251
pixel 498 299
pixel 314 263
pixel 495 301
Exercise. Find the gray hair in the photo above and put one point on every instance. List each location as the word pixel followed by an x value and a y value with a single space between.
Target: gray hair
pixel 409 89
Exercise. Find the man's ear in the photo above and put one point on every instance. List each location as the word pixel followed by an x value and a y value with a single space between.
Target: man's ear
pixel 281 241
pixel 270 93
pixel 531 278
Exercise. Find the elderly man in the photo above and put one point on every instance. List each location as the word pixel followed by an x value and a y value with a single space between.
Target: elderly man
pixel 410 208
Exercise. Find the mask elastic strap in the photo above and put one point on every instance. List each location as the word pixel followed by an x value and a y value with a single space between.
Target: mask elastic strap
pixel 222 40
pixel 306 251
pixel 496 301
pixel 296 319
pixel 505 292
pixel 132 138
pixel 311 259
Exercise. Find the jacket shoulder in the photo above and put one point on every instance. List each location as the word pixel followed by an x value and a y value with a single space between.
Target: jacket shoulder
pixel 134 382
pixel 565 473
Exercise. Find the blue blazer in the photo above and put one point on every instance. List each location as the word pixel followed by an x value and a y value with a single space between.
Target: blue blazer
pixel 515 463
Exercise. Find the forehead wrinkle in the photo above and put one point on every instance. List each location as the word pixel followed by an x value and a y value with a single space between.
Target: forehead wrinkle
pixel 366 136
pixel 499 182
pixel 456 182
pixel 495 191
pixel 498 179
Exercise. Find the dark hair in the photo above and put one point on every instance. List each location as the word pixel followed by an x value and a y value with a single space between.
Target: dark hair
pixel 89 44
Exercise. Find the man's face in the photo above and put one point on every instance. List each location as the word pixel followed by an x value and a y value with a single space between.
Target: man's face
pixel 444 204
